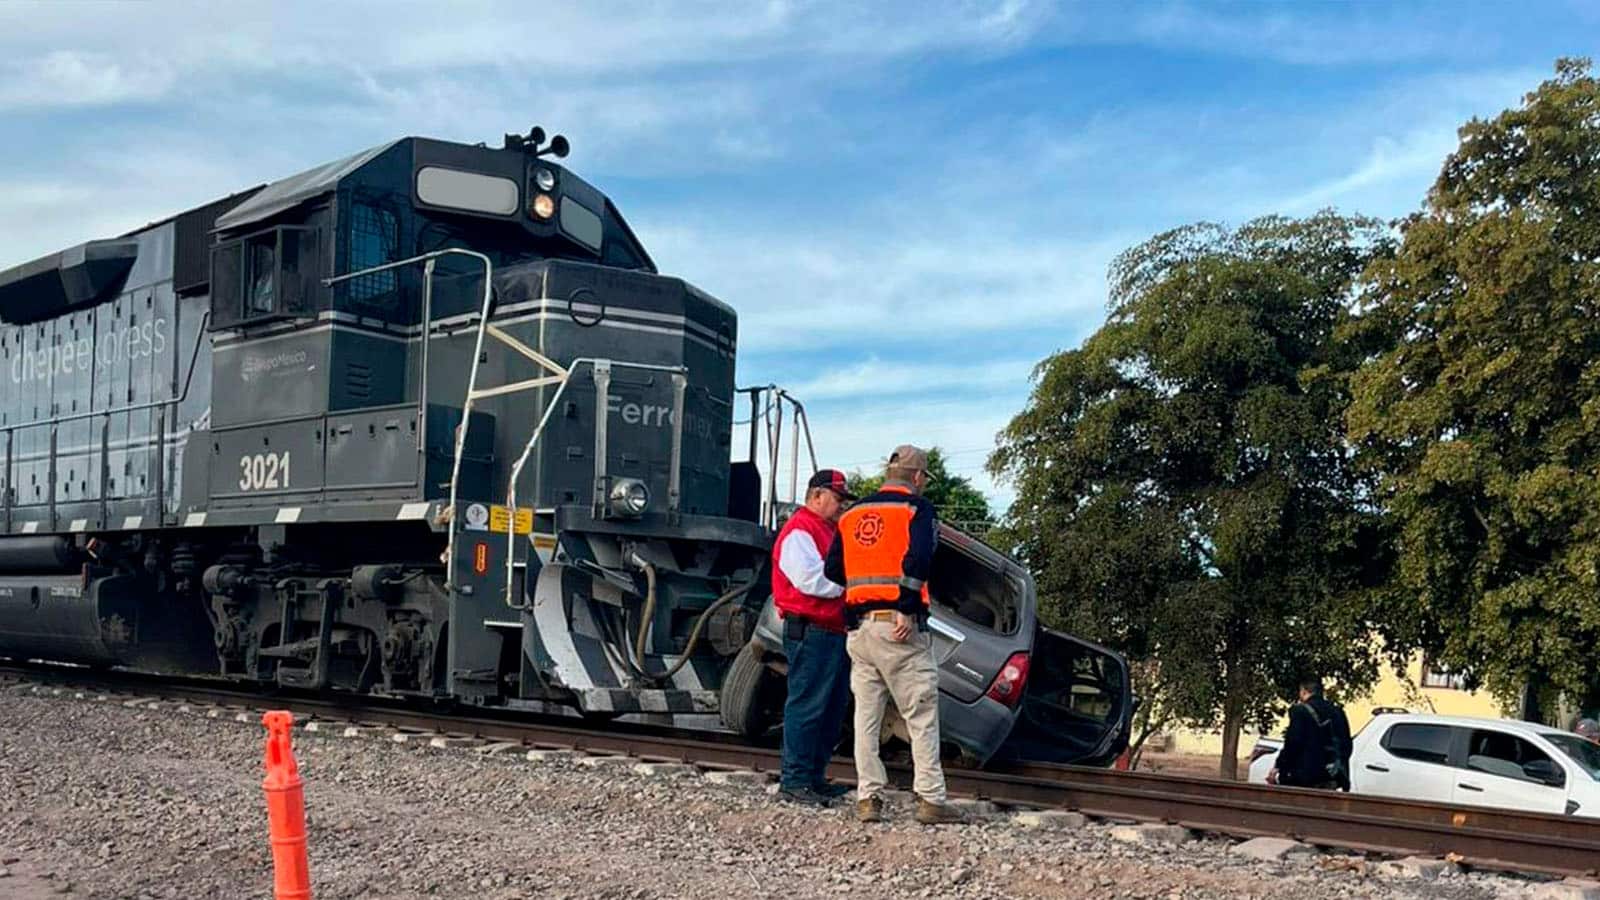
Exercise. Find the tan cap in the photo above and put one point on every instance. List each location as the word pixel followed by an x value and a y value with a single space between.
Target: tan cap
pixel 907 456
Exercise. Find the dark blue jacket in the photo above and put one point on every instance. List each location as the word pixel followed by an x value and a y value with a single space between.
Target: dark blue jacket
pixel 1317 730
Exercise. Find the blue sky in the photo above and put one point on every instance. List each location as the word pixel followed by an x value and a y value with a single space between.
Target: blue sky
pixel 909 204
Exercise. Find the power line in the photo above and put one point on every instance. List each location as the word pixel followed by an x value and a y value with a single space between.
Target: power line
pixel 942 452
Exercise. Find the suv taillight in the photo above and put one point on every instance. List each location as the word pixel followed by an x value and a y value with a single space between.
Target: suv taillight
pixel 1007 687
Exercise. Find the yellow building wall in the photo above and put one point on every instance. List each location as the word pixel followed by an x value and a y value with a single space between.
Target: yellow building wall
pixel 1392 690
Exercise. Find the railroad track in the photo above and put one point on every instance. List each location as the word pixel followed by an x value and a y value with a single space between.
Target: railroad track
pixel 1478 837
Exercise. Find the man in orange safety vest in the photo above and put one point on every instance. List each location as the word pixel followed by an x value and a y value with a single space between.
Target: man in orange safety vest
pixel 882 556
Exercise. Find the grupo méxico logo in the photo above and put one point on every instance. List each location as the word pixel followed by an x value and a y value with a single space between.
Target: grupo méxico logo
pixel 254 367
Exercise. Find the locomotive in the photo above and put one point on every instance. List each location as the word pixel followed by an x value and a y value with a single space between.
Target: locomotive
pixel 424 421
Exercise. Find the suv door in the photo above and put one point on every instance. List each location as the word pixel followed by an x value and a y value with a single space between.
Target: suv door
pixel 1077 705
pixel 1492 774
pixel 1411 761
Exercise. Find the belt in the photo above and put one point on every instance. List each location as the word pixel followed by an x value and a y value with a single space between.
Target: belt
pixel 795 625
pixel 919 621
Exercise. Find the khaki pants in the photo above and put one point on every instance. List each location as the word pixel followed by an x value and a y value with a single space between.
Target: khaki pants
pixel 882 670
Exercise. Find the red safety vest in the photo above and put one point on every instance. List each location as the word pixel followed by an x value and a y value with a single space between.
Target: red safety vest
pixel 826 612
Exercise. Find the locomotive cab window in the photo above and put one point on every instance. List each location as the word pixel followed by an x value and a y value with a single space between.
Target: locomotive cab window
pixel 270 275
pixel 374 241
pixel 263 275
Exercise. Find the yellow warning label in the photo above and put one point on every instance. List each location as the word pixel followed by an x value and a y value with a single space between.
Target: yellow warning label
pixel 500 519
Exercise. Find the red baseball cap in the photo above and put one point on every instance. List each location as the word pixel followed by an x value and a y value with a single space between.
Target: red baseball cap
pixel 833 480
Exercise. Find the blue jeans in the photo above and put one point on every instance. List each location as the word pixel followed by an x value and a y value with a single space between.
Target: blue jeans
pixel 819 691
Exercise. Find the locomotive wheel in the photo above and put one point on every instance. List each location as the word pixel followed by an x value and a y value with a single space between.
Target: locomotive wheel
pixel 746 699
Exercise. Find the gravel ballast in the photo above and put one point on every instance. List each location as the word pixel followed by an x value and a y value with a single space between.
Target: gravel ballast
pixel 106 800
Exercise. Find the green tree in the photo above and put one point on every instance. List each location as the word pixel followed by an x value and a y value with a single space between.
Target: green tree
pixel 1480 402
pixel 1184 491
pixel 959 503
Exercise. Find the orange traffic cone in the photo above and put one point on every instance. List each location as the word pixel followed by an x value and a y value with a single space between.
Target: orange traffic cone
pixel 1124 762
pixel 286 811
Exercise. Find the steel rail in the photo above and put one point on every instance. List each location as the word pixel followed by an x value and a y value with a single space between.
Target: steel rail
pixel 1479 837
pixel 1482 837
pixel 1441 814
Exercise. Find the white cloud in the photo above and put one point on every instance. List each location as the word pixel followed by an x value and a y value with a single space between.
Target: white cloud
pixel 1410 160
pixel 1416 124
pixel 874 376
pixel 1327 35
pixel 1370 148
pixel 890 283
pixel 69 78
pixel 39 217
pixel 113 187
pixel 547 40
pixel 654 89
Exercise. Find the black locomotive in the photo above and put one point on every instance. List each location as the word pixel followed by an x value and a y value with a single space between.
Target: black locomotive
pixel 425 420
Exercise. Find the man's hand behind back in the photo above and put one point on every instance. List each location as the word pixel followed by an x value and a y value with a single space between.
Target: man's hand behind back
pixel 903 626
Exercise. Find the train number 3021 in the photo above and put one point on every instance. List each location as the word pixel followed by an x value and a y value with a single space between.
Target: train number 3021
pixel 264 471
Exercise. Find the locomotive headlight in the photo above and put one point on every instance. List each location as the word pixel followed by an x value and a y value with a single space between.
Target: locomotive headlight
pixel 545 179
pixel 543 206
pixel 629 498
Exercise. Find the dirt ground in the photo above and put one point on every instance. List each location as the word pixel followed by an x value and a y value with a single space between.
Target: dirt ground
pixel 117 802
pixel 1197 765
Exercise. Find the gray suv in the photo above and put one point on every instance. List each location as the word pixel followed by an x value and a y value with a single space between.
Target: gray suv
pixel 1009 688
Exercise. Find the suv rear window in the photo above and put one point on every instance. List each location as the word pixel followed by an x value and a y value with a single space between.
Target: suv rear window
pixel 1426 743
pixel 966 585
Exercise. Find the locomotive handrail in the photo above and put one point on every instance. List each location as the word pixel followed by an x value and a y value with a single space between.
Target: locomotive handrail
pixel 602 367
pixel 428 260
pixel 778 397
pixel 561 376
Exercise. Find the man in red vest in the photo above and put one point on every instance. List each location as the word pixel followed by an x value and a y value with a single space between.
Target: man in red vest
pixel 813 641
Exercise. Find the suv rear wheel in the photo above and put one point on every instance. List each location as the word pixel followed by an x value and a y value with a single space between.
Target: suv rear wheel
pixel 751 699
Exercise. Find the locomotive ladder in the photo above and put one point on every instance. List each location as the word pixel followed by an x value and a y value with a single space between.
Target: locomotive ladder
pixel 557 375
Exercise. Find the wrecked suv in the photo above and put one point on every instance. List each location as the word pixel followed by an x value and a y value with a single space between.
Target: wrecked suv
pixel 1009 688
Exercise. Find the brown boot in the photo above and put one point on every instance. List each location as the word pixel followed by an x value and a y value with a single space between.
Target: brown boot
pixel 869 810
pixel 929 813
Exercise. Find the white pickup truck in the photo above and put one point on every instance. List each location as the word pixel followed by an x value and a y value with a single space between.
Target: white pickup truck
pixel 1502 763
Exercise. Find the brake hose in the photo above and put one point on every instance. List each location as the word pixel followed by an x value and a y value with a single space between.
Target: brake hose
pixel 649 606
pixel 694 633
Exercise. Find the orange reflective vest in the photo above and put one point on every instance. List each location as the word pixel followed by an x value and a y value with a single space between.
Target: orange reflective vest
pixel 875 536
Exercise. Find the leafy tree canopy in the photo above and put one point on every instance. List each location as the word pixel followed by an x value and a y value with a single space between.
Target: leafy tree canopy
pixel 1480 400
pixel 1184 490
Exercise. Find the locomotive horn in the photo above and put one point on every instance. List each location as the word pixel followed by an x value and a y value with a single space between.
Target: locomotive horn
pixel 559 148
pixel 531 140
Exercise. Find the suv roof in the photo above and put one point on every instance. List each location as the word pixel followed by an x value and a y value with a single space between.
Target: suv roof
pixel 1470 722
